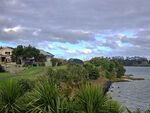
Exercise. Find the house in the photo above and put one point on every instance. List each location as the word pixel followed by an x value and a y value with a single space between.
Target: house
pixel 5 55
pixel 49 56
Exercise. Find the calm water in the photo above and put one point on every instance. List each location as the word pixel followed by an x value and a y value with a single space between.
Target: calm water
pixel 134 94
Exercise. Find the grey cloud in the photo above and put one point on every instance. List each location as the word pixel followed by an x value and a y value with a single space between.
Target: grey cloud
pixel 76 20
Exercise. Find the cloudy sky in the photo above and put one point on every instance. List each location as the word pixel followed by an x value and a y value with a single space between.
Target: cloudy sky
pixel 78 28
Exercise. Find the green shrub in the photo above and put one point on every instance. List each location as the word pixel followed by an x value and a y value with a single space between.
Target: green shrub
pixel 57 62
pixel 120 70
pixel 76 72
pixel 9 94
pixel 46 98
pixel 26 85
pixel 2 69
pixel 90 99
pixel 93 71
pixel 108 75
pixel 100 61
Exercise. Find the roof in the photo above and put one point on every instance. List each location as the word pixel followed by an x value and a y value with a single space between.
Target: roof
pixel 46 53
pixel 6 48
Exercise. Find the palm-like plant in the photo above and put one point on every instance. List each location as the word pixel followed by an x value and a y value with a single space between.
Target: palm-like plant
pixel 9 94
pixel 90 99
pixel 46 98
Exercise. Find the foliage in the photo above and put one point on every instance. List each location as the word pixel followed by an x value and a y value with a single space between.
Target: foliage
pixel 53 77
pixel 57 62
pixel 93 71
pixel 46 98
pixel 108 75
pixel 112 68
pixel 100 61
pixel 76 72
pixel 21 53
pixel 90 99
pixel 2 69
pixel 75 60
pixel 9 93
pixel 26 85
pixel 120 70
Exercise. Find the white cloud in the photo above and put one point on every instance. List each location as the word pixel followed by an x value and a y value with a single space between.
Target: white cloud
pixel 50 46
pixel 62 47
pixel 86 51
pixel 71 51
pixel 13 29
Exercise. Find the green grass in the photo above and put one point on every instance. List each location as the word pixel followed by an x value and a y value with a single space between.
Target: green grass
pixel 6 74
pixel 30 71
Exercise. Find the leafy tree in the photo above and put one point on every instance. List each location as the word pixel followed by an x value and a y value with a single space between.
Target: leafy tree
pixel 21 53
pixel 120 70
pixel 18 53
pixel 100 61
pixel 93 71
pixel 57 62
pixel 76 72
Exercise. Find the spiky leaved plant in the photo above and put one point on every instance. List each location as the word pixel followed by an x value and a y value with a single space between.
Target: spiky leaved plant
pixel 90 99
pixel 46 98
pixel 9 94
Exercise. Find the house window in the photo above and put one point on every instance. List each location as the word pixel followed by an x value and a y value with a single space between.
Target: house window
pixel 7 53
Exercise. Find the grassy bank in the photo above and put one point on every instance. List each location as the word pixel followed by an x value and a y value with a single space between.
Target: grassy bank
pixel 28 71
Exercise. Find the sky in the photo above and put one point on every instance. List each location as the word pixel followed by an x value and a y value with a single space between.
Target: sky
pixel 78 28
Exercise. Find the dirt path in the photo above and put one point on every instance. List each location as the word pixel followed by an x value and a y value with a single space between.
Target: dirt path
pixel 15 76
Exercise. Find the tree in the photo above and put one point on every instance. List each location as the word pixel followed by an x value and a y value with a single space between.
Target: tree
pixel 21 53
pixel 93 71
pixel 17 54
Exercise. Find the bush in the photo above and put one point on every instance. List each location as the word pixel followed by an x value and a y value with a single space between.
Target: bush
pixel 100 61
pixel 9 94
pixel 2 69
pixel 120 71
pixel 76 72
pixel 92 71
pixel 26 65
pixel 26 85
pixel 73 60
pixel 90 99
pixel 46 98
pixel 57 62
pixel 108 75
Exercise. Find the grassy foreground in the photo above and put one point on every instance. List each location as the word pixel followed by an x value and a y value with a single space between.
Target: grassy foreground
pixel 29 71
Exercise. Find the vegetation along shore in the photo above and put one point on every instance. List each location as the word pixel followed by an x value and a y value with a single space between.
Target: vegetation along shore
pixel 66 87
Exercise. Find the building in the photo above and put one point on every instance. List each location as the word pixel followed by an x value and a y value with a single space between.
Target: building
pixel 49 56
pixel 5 55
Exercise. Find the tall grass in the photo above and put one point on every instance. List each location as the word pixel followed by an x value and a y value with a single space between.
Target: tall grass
pixel 46 98
pixel 90 99
pixel 9 94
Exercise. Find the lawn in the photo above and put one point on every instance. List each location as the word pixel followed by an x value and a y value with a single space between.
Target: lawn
pixel 29 71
